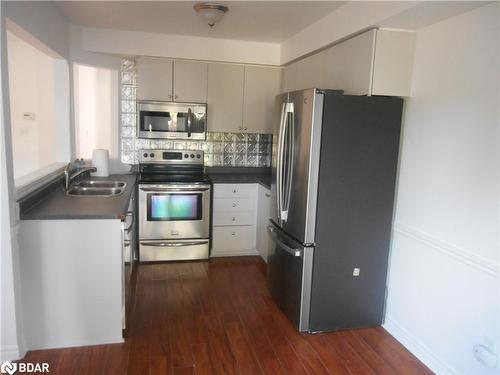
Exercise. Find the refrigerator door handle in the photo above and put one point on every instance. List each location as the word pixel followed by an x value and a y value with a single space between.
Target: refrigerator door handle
pixel 291 151
pixel 279 163
pixel 289 131
pixel 288 249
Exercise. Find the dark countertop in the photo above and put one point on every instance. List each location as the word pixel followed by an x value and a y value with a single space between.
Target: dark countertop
pixel 240 175
pixel 56 205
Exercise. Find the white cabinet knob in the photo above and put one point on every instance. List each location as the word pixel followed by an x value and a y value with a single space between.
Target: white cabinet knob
pixel 235 191
pixel 234 219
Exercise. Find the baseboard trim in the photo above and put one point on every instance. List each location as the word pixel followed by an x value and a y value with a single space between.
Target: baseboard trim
pixel 463 255
pixel 417 348
pixel 72 344
pixel 10 353
pixel 230 253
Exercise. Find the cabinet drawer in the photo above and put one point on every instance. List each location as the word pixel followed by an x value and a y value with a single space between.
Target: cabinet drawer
pixel 233 204
pixel 234 218
pixel 233 239
pixel 234 190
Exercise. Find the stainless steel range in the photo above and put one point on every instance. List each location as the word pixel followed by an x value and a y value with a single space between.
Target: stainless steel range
pixel 174 206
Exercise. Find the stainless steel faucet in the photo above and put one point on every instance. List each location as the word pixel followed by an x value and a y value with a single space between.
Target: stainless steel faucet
pixel 69 177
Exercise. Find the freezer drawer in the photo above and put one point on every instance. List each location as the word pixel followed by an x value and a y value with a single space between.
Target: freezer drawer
pixel 289 277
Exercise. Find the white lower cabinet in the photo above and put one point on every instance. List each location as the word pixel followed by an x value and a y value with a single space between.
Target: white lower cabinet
pixel 240 220
pixel 263 214
pixel 234 240
pixel 234 226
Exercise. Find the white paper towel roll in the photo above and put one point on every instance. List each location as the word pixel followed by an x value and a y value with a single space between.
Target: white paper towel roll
pixel 100 160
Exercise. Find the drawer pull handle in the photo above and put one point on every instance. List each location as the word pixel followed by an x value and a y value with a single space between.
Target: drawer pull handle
pixel 234 204
pixel 268 195
pixel 233 234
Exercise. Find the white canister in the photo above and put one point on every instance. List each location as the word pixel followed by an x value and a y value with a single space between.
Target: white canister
pixel 100 160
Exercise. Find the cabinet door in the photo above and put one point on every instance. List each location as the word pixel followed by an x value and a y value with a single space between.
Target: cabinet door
pixel 348 65
pixel 263 216
pixel 190 81
pixel 225 97
pixel 154 79
pixel 261 87
pixel 289 78
pixel 233 241
pixel 393 63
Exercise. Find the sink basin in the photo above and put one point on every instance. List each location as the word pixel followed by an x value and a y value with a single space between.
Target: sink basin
pixel 101 184
pixel 79 190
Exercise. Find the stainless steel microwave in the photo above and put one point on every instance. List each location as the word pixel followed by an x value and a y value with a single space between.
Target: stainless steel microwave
pixel 171 120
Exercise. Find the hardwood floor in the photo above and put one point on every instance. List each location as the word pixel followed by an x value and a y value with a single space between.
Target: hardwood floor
pixel 216 318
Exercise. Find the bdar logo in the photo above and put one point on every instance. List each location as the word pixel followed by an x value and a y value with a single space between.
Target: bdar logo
pixel 8 368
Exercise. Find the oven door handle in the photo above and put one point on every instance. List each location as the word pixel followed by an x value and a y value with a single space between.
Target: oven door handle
pixel 172 244
pixel 175 190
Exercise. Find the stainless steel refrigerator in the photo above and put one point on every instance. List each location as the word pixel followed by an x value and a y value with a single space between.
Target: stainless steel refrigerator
pixel 334 169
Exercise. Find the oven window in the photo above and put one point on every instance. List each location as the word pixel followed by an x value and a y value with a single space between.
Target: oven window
pixel 170 207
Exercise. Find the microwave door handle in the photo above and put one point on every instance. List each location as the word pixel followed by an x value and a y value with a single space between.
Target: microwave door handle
pixel 189 116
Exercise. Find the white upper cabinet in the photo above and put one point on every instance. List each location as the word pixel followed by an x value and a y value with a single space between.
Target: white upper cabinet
pixel 154 79
pixel 376 62
pixel 393 63
pixel 190 81
pixel 225 97
pixel 348 65
pixel 261 86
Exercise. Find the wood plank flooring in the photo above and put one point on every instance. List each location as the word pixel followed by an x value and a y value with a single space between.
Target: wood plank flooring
pixel 216 317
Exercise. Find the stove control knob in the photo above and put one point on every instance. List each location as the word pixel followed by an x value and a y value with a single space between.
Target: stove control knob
pixel 186 155
pixel 198 156
pixel 152 155
pixel 192 155
pixel 145 154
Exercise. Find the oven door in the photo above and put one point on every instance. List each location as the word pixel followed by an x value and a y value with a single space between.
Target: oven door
pixel 171 120
pixel 174 211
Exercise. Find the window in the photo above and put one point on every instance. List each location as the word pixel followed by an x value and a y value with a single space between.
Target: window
pixel 96 110
pixel 39 109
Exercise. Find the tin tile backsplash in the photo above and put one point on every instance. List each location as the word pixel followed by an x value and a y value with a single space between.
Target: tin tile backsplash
pixel 221 149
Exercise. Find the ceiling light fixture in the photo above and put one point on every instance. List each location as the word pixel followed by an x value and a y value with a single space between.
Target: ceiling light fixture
pixel 210 12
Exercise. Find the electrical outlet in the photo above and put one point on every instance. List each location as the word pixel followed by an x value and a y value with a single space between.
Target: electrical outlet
pixel 485 355
pixel 491 344
pixel 355 271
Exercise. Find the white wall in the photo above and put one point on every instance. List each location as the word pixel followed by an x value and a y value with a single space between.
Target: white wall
pixel 11 331
pixel 31 77
pixel 134 43
pixel 96 110
pixel 105 62
pixel 444 285
pixel 31 19
pixel 42 20
pixel 9 347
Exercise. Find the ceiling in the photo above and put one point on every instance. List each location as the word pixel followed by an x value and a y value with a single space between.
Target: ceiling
pixel 263 21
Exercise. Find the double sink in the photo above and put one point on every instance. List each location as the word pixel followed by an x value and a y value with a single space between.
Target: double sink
pixel 97 188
